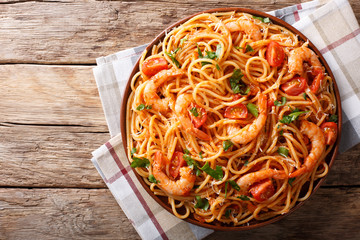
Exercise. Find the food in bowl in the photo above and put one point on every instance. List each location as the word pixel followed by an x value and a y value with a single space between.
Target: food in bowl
pixel 231 117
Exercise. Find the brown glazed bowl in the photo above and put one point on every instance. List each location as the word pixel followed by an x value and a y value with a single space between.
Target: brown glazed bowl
pixel 329 159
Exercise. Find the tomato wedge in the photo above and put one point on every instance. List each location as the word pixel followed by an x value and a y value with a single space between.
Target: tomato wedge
pixel 315 85
pixel 198 115
pixel 176 163
pixel 330 131
pixel 238 111
pixel 275 54
pixel 152 66
pixel 263 190
pixel 270 103
pixel 295 86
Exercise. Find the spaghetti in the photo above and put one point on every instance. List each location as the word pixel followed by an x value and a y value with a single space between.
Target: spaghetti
pixel 229 117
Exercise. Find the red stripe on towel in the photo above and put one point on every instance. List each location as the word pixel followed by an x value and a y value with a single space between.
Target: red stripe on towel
pixel 296 13
pixel 340 41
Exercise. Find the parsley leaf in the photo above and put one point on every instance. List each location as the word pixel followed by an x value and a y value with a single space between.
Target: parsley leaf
pixel 140 162
pixel 281 132
pixel 187 151
pixel 291 180
pixel 209 54
pixel 237 85
pixel 183 40
pixel 143 106
pixel 217 173
pixel 283 151
pixel 217 67
pixel 227 144
pixel 201 155
pixel 172 56
pixel 218 51
pixel 333 118
pixel 227 213
pixel 244 198
pixel 202 203
pixel 283 101
pixel 292 116
pixel 246 163
pixel 264 20
pixel 234 185
pixel 248 48
pixel 153 179
pixel 191 162
pixel 194 112
pixel 304 96
pixel 133 150
pixel 238 48
pixel 252 108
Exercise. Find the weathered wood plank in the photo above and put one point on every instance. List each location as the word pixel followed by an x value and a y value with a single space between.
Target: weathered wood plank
pixel 75 32
pixel 94 214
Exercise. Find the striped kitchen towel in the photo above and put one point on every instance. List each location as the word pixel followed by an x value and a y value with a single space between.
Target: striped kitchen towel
pixel 330 25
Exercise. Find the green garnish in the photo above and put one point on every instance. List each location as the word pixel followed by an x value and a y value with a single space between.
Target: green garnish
pixel 143 106
pixel 183 40
pixel 133 150
pixel 246 163
pixel 140 162
pixel 227 144
pixel 292 116
pixel 153 179
pixel 264 20
pixel 234 185
pixel 238 48
pixel 283 101
pixel 198 172
pixel 190 162
pixel 217 173
pixel 172 56
pixel 202 203
pixel 217 67
pixel 333 118
pixel 244 198
pixel 281 132
pixel 237 85
pixel 200 155
pixel 252 108
pixel 291 180
pixel 304 96
pixel 186 151
pixel 209 54
pixel 248 48
pixel 283 151
pixel 194 112
pixel 227 213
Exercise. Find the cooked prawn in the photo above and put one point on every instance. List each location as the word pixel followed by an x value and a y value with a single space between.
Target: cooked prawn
pixel 250 131
pixel 181 187
pixel 247 26
pixel 150 91
pixel 304 54
pixel 317 139
pixel 181 109
pixel 249 179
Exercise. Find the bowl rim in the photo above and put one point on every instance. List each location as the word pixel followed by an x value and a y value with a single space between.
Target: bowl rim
pixel 329 159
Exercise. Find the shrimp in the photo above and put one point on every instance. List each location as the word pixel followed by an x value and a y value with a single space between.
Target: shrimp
pixel 150 91
pixel 181 187
pixel 250 131
pixel 181 109
pixel 246 26
pixel 304 54
pixel 249 179
pixel 316 136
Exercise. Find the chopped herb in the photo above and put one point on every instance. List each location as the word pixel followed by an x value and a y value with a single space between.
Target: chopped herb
pixel 190 162
pixel 202 203
pixel 246 163
pixel 248 48
pixel 198 172
pixel 226 185
pixel 227 144
pixel 218 51
pixel 186 151
pixel 217 67
pixel 172 56
pixel 227 213
pixel 292 116
pixel 281 132
pixel 194 112
pixel 252 108
pixel 234 185
pixel 283 151
pixel 237 85
pixel 238 48
pixel 133 150
pixel 291 180
pixel 264 20
pixel 304 96
pixel 209 54
pixel 283 101
pixel 201 155
pixel 244 198
pixel 140 162
pixel 333 118
pixel 217 173
pixel 153 179
pixel 199 52
pixel 183 40
pixel 143 106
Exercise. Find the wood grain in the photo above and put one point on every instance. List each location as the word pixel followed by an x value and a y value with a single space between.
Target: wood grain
pixel 77 32
pixel 93 214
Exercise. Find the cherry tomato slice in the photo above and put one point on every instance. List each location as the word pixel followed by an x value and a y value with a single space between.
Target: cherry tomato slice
pixel 315 85
pixel 263 190
pixel 270 103
pixel 330 132
pixel 275 54
pixel 176 163
pixel 152 66
pixel 239 111
pixel 294 86
pixel 198 115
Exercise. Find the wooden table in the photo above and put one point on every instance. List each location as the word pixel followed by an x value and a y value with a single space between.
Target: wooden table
pixel 51 120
